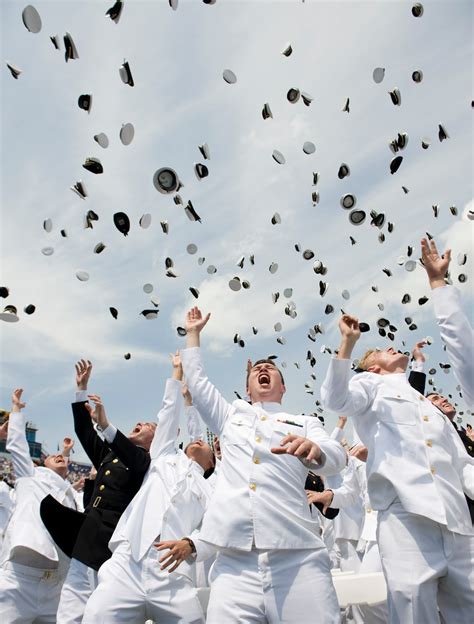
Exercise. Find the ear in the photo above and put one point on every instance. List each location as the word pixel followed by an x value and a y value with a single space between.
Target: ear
pixel 374 369
pixel 283 389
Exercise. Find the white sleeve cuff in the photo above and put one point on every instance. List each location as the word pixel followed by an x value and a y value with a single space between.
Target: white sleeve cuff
pixel 81 395
pixel 417 366
pixel 109 433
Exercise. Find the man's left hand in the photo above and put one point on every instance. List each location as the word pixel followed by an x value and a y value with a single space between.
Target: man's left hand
pixel 178 551
pixel 299 447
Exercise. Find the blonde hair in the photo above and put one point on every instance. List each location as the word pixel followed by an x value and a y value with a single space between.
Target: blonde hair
pixel 363 363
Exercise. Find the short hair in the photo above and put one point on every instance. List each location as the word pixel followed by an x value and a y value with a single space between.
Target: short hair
pixel 264 361
pixel 362 366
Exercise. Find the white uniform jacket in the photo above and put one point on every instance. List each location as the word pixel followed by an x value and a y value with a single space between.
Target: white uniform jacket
pixel 26 529
pixel 195 428
pixel 348 499
pixel 456 333
pixel 7 501
pixel 415 454
pixel 259 498
pixel 172 499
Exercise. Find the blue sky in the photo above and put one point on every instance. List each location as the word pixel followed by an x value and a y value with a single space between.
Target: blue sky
pixel 180 101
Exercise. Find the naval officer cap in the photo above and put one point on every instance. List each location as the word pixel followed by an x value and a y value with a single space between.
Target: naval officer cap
pixel 93 165
pixel 417 9
pixel 278 157
pixel 357 217
pixel 70 48
pixel 127 132
pixel 166 180
pixel 344 171
pixel 287 49
pixel 396 97
pixel 29 309
pixel 115 11
pixel 102 139
pixel 378 74
pixel 31 19
pixel 293 95
pixel 145 221
pixel 417 76
pixel 348 201
pixel 14 70
pixel 229 76
pixel 126 74
pixel 85 102
pixel 309 147
pixel 4 292
pixel 114 312
pixel 9 314
pixel 122 222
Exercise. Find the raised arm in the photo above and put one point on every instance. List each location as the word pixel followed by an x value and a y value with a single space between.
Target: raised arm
pixel 136 458
pixel 212 406
pixel 417 377
pixel 164 440
pixel 94 447
pixel 336 393
pixel 455 328
pixel 195 429
pixel 17 443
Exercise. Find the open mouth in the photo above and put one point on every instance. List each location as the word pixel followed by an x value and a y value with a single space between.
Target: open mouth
pixel 264 379
pixel 137 429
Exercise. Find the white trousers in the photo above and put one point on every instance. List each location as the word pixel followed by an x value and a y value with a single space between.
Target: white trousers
pixel 28 594
pixel 272 587
pixel 77 588
pixel 347 557
pixel 130 592
pixel 373 614
pixel 426 567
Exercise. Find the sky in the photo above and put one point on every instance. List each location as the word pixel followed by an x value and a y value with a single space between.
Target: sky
pixel 180 101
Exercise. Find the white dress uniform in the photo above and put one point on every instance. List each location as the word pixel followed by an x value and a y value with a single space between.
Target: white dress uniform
pixel 169 505
pixel 348 523
pixel 457 334
pixel 417 471
pixel 270 550
pixel 33 568
pixel 7 502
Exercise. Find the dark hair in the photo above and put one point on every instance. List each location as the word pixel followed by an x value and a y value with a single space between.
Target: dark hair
pixel 264 361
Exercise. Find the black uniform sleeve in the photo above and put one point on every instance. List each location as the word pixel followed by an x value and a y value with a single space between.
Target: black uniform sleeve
pixel 136 458
pixel 87 492
pixel 417 380
pixel 94 447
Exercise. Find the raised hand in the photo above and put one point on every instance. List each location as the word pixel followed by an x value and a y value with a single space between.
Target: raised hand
pixel 195 321
pixel 299 447
pixel 188 399
pixel 436 265
pixel 68 444
pixel 360 452
pixel 417 352
pixel 98 414
pixel 17 404
pixel 4 431
pixel 349 327
pixel 83 372
pixel 341 422
pixel 79 484
pixel 177 366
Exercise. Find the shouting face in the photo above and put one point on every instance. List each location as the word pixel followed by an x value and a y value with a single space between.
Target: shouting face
pixel 265 383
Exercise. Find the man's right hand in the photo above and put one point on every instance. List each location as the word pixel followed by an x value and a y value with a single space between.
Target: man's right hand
pixel 4 431
pixel 17 404
pixel 195 323
pixel 98 414
pixel 350 334
pixel 436 265
pixel 83 372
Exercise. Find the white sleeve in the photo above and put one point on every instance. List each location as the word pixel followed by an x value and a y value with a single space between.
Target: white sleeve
pixel 417 367
pixel 456 333
pixel 212 406
pixel 17 445
pixel 195 429
pixel 343 395
pixel 109 433
pixel 337 434
pixel 348 494
pixel 166 432
pixel 334 456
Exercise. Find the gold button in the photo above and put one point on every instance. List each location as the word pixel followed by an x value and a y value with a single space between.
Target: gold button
pixel 102 488
pixel 256 460
pixel 258 439
pixel 421 397
pixel 253 486
pixel 369 510
pixel 107 472
pixel 425 418
pixel 433 471
pixel 263 417
pixel 115 461
pixel 429 443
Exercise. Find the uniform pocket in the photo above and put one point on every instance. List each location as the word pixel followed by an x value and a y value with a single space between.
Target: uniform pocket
pixel 398 408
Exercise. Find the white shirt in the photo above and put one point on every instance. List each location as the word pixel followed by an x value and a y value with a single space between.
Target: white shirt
pixel 415 454
pixel 7 502
pixel 172 499
pixel 456 333
pixel 27 540
pixel 348 499
pixel 259 499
